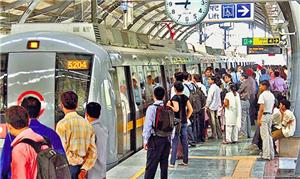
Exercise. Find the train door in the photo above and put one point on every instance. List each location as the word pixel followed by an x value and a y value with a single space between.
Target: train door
pixel 124 121
pixel 32 74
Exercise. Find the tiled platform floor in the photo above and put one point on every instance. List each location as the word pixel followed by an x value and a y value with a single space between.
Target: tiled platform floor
pixel 211 160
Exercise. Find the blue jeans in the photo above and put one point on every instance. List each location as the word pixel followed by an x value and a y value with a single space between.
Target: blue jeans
pixel 183 138
pixel 75 170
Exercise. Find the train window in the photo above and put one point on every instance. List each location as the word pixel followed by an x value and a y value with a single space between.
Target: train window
pixel 192 69
pixel 75 77
pixel 138 85
pixel 3 93
pixel 105 93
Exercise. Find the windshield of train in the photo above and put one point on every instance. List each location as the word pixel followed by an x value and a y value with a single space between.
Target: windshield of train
pixel 73 72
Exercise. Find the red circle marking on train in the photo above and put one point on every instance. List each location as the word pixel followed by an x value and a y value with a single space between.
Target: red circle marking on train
pixel 32 93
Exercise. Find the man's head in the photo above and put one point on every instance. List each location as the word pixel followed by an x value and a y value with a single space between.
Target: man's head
pixel 284 104
pixel 69 100
pixel 243 77
pixel 178 76
pixel 149 79
pixel 92 111
pixel 197 78
pixel 240 69
pixel 263 71
pixel 264 85
pixel 227 78
pixel 32 105
pixel 123 89
pixel 159 93
pixel 185 75
pixel 276 73
pixel 17 119
pixel 178 87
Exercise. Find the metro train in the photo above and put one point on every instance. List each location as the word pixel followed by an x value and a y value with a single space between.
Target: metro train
pixel 45 64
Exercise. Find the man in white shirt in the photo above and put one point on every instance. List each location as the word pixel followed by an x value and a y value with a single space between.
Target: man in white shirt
pixel 286 124
pixel 266 103
pixel 213 103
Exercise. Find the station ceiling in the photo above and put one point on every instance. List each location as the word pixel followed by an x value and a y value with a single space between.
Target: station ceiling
pixel 148 16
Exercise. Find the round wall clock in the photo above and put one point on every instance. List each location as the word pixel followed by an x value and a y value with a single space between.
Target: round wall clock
pixel 187 12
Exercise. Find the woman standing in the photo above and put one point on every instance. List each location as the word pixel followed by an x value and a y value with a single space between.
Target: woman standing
pixel 233 111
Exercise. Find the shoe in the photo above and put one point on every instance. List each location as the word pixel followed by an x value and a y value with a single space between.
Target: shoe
pixel 171 166
pixel 225 142
pixel 251 147
pixel 183 164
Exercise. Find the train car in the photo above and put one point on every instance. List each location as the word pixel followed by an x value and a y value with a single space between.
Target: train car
pixel 46 64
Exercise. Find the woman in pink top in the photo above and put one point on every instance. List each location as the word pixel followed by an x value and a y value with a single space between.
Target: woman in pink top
pixel 24 163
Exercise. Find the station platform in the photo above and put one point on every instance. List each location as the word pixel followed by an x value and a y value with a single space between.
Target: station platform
pixel 212 160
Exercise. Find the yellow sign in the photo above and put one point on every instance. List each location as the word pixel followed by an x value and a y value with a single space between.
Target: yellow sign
pixel 77 64
pixel 265 41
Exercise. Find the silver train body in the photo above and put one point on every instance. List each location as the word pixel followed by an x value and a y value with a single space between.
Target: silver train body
pixel 45 64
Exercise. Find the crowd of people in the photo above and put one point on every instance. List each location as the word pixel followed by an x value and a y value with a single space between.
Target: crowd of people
pixel 228 102
pixel 77 147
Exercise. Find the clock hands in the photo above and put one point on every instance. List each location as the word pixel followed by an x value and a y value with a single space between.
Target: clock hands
pixel 183 3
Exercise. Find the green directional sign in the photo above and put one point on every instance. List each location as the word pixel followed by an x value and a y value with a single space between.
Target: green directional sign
pixel 247 41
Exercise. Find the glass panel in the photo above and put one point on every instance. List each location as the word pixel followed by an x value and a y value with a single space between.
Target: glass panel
pixel 123 111
pixel 192 69
pixel 73 72
pixel 153 79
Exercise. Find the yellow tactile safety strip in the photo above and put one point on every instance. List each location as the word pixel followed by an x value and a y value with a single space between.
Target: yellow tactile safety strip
pixel 242 170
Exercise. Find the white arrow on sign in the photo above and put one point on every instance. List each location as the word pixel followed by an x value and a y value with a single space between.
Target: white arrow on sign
pixel 245 10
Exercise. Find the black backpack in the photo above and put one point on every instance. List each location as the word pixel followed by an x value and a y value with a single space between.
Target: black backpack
pixel 197 98
pixel 164 121
pixel 50 164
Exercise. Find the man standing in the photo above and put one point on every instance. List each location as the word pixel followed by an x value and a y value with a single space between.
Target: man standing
pixel 77 136
pixel 213 103
pixel 92 114
pixel 158 148
pixel 266 103
pixel 278 86
pixel 245 91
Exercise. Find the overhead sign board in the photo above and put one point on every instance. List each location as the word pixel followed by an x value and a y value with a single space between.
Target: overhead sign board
pixel 263 50
pixel 260 41
pixel 230 13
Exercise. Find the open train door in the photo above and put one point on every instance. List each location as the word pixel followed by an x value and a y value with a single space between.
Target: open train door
pixel 32 74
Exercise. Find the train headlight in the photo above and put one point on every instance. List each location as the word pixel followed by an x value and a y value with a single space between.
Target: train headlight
pixel 33 44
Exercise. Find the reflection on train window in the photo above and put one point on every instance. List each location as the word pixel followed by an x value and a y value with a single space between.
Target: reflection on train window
pixel 153 79
pixel 105 93
pixel 3 85
pixel 72 79
pixel 192 69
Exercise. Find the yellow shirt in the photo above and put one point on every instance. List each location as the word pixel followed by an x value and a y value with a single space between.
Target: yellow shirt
pixel 78 138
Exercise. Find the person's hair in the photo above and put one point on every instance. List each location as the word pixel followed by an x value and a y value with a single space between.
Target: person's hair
pixel 178 76
pixel 69 99
pixel 266 83
pixel 263 71
pixel 17 117
pixel 178 86
pixel 208 69
pixel 233 88
pixel 232 69
pixel 93 109
pixel 149 77
pixel 185 75
pixel 32 105
pixel 276 73
pixel 217 70
pixel 213 78
pixel 286 103
pixel 159 92
pixel 228 75
pixel 245 75
pixel 197 77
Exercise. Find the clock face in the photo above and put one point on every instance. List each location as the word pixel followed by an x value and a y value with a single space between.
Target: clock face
pixel 187 12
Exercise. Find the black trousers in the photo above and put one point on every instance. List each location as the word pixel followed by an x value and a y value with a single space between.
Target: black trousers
pixel 157 153
pixel 199 126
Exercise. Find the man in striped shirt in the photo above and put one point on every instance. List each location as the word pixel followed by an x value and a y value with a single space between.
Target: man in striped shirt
pixel 77 136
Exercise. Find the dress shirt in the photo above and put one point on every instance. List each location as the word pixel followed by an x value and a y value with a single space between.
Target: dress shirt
pixel 149 120
pixel 78 138
pixel 278 85
pixel 213 101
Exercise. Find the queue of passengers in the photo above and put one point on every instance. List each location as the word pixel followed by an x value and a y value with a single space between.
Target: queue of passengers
pixel 230 100
pixel 77 149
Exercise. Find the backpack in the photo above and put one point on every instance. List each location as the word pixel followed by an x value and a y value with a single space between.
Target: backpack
pixel 197 99
pixel 164 121
pixel 50 164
